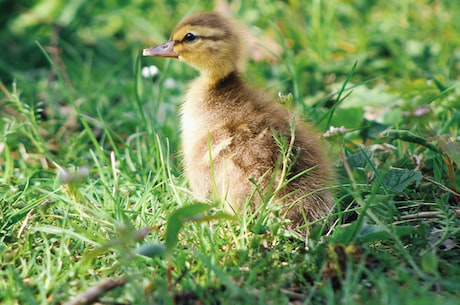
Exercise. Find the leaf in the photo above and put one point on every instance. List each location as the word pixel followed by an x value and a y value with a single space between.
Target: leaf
pixel 348 117
pixel 194 212
pixel 151 250
pixel 346 234
pixel 430 263
pixel 372 129
pixel 359 159
pixel 374 233
pixel 177 219
pixel 409 136
pixel 397 180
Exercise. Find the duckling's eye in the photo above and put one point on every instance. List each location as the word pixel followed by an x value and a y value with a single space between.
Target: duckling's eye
pixel 189 37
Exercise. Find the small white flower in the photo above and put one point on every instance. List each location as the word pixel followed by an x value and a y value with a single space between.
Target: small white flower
pixel 334 131
pixel 149 71
pixel 170 83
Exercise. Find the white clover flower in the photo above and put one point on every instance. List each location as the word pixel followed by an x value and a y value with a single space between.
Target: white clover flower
pixel 334 131
pixel 149 71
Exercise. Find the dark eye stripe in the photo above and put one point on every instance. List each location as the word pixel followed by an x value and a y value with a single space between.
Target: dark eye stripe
pixel 213 38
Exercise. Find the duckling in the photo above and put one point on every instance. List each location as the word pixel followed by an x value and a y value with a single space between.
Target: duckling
pixel 229 130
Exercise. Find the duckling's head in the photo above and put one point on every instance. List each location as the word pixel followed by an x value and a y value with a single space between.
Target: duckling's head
pixel 207 41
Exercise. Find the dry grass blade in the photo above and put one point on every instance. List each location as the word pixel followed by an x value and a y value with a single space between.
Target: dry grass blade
pixel 93 294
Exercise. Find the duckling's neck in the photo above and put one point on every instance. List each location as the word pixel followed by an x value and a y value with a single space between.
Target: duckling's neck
pixel 232 78
pixel 213 73
pixel 207 97
pixel 217 80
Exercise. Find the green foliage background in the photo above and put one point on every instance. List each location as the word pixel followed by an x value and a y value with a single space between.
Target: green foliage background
pixel 90 173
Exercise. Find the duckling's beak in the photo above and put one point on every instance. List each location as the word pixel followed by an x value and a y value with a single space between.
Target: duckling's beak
pixel 163 50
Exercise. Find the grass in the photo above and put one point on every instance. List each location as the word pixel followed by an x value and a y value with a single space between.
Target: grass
pixel 90 173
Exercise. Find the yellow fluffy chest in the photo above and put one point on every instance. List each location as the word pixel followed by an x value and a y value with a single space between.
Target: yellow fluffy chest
pixel 199 121
pixel 194 118
pixel 204 138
